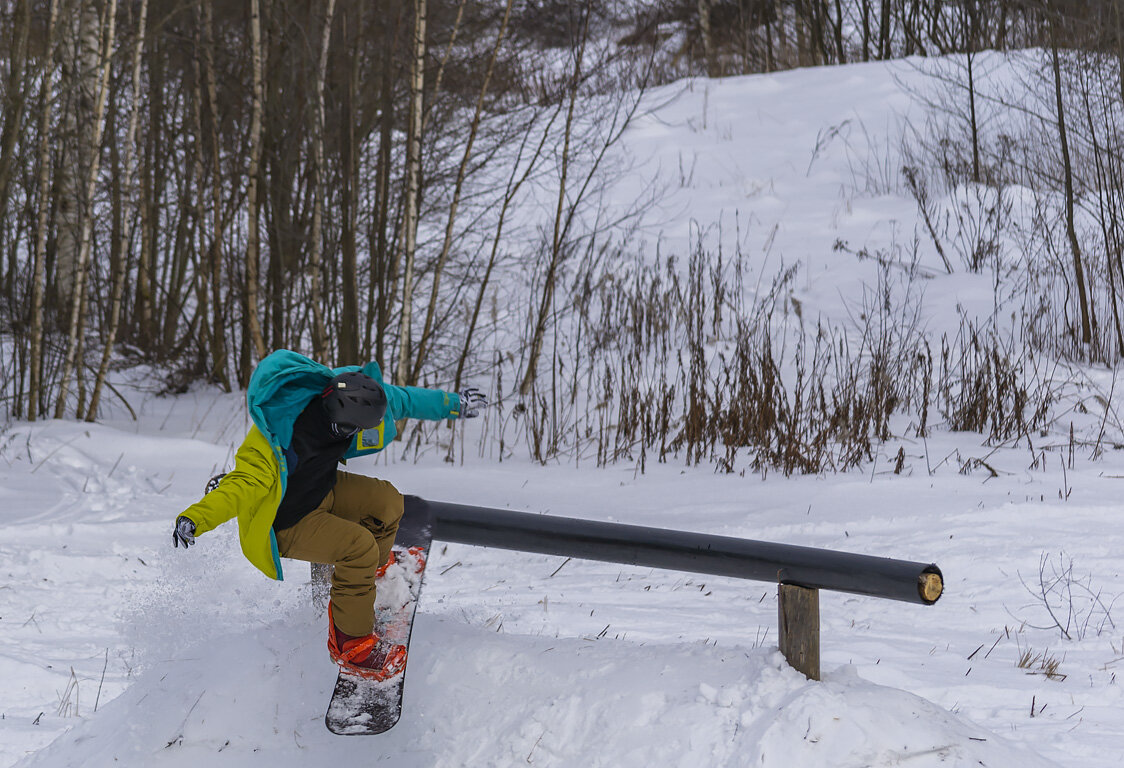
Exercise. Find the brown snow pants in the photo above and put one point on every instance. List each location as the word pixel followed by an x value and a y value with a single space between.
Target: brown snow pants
pixel 353 528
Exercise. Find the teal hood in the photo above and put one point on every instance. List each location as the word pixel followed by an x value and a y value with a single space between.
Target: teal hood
pixel 282 385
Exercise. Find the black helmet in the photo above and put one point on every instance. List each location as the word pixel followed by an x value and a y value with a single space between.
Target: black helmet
pixel 355 401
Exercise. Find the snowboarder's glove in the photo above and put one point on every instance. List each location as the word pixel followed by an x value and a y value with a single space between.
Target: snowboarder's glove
pixel 472 402
pixel 184 533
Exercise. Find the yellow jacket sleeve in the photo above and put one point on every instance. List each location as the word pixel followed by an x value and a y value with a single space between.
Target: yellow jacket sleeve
pixel 250 486
pixel 251 492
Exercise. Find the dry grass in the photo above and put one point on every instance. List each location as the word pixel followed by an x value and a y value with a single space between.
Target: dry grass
pixel 672 362
pixel 1043 663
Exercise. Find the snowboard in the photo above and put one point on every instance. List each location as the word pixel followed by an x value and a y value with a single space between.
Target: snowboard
pixel 363 707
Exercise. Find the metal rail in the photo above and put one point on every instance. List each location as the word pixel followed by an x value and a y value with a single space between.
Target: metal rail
pixel 643 546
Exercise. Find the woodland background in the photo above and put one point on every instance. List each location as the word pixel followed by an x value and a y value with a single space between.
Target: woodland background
pixel 185 186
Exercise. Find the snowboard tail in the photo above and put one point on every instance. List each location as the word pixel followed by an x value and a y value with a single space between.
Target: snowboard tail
pixel 361 706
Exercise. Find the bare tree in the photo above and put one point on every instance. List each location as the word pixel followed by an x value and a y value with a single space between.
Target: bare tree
pixel 130 185
pixel 319 335
pixel 15 101
pixel 521 171
pixel 253 204
pixel 383 253
pixel 81 44
pixel 1067 175
pixel 38 269
pixel 350 164
pixel 145 312
pixel 214 250
pixel 557 241
pixel 450 221
pixel 413 174
pixel 707 40
pixel 77 302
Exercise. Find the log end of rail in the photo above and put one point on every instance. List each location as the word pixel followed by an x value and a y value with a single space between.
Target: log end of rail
pixel 930 585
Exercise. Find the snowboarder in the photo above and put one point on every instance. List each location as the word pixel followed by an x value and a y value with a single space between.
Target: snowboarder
pixel 291 500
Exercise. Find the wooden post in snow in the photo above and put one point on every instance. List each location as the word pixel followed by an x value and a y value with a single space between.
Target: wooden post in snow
pixel 798 612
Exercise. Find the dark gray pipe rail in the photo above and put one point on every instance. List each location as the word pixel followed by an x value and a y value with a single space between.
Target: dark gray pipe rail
pixel 682 551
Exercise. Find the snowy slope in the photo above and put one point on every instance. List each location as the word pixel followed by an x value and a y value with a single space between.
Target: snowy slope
pixel 524 657
pixel 192 657
pixel 804 168
pixel 481 698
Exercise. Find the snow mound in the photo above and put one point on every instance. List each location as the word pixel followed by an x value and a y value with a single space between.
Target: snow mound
pixel 478 697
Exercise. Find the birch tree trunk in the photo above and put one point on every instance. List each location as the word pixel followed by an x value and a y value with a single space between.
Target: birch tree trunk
pixel 37 269
pixel 130 192
pixel 80 76
pixel 196 223
pixel 145 311
pixel 319 336
pixel 413 175
pixel 214 251
pixel 80 268
pixel 704 34
pixel 253 204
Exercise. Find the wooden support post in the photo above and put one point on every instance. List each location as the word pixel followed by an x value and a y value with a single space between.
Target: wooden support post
pixel 798 610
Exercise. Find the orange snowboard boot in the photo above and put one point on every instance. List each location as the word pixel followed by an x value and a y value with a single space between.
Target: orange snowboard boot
pixel 367 656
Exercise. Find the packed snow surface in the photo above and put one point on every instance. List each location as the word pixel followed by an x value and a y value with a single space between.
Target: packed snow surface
pixel 116 649
pixel 519 658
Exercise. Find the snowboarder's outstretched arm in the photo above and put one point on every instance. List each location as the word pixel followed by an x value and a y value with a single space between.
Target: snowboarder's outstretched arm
pixel 252 484
pixel 433 404
pixel 414 403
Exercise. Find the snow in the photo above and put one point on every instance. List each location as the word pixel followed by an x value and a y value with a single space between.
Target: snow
pixel 579 702
pixel 116 649
pixel 528 658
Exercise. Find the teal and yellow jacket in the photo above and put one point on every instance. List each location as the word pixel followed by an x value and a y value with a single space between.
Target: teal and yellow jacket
pixel 282 385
